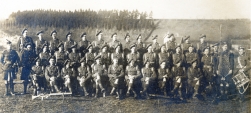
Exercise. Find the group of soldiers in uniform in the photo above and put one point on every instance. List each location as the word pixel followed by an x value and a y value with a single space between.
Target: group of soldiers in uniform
pixel 182 71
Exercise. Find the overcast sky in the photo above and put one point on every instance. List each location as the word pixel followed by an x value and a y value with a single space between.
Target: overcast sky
pixel 162 9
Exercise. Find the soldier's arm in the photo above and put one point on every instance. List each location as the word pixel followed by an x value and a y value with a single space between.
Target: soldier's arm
pixel 126 72
pixel 47 76
pixel 109 72
pixel 122 74
pixel 154 75
pixel 2 58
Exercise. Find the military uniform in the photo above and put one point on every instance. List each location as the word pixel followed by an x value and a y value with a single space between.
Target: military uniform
pixel 140 47
pixel 105 59
pixel 98 45
pixel 133 56
pixel 52 74
pixel 38 78
pixel 23 42
pixel 61 56
pixel 82 47
pixel 225 64
pixel 99 74
pixel 67 75
pixel 39 45
pixel 166 56
pixel 113 45
pixel 84 78
pixel 119 56
pixel 151 57
pixel 132 77
pixel 185 47
pixel 194 81
pixel 189 57
pixel 9 59
pixel 207 64
pixel 179 78
pixel 68 44
pixel 44 56
pixel 148 80
pixel 170 45
pixel 116 77
pixel 53 45
pixel 164 80
pixel 89 58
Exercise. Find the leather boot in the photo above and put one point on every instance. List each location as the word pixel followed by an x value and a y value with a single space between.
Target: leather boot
pixel 6 90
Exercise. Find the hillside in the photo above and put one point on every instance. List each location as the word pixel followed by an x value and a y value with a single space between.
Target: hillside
pixel 231 29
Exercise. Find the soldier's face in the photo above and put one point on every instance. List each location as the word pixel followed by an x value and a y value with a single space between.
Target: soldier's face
pixel 60 48
pixel 29 47
pixel 147 64
pixel 115 61
pixel 54 35
pixel 172 38
pixel 45 48
pixel 69 37
pixel 163 49
pixel 52 61
pixel 82 64
pixel 177 49
pixel 8 47
pixel 132 63
pixel 90 49
pixel 73 50
pixel 202 40
pixel 67 65
pixel 127 39
pixel 155 40
pixel 224 47
pixel 215 48
pixel 241 51
pixel 104 49
pixel 114 37
pixel 206 51
pixel 139 39
pixel 25 33
pixel 187 41
pixel 37 63
pixel 178 64
pixel 190 49
pixel 39 35
pixel 100 36
pixel 84 38
pixel 149 49
pixel 163 64
pixel 98 61
pixel 133 49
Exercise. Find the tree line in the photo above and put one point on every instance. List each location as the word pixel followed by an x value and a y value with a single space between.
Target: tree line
pixel 107 19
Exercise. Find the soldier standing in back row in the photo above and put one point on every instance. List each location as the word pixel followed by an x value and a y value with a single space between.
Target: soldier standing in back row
pixel 40 42
pixel 140 47
pixel 133 55
pixel 114 43
pixel 54 42
pixel 165 56
pixel 69 43
pixel 171 44
pixel 97 44
pixel 90 56
pixel 9 61
pixel 200 47
pixel 24 41
pixel 155 45
pixel 150 56
pixel 83 44
pixel 126 48
pixel 186 45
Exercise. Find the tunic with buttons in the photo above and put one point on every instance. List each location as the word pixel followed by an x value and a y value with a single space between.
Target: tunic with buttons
pixel 44 56
pixel 51 71
pixel 89 58
pixel 148 72
pixel 206 63
pixel 133 71
pixel 170 45
pixel 98 45
pixel 53 44
pixel 69 44
pixel 116 72
pixel 74 59
pixel 177 57
pixel 156 47
pixel 166 56
pixel 39 44
pixel 151 58
pixel 113 44
pixel 226 62
pixel 134 56
pixel 84 72
pixel 119 56
pixel 105 59
pixel 60 57
pixel 162 72
pixel 189 57
pixel 8 58
pixel 99 69
pixel 39 71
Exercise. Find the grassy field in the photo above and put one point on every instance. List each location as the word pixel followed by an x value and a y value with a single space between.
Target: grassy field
pixel 231 29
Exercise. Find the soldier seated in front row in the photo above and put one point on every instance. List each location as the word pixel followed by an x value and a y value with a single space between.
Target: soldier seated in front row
pixel 99 74
pixel 116 75
pixel 67 73
pixel 37 76
pixel 194 80
pixel 179 81
pixel 132 77
pixel 84 76
pixel 149 78
pixel 164 77
pixel 52 74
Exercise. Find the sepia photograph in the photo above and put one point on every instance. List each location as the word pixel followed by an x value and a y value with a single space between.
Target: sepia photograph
pixel 125 56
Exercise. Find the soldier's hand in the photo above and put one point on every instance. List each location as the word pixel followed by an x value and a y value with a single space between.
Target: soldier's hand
pixel 217 72
pixel 230 71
